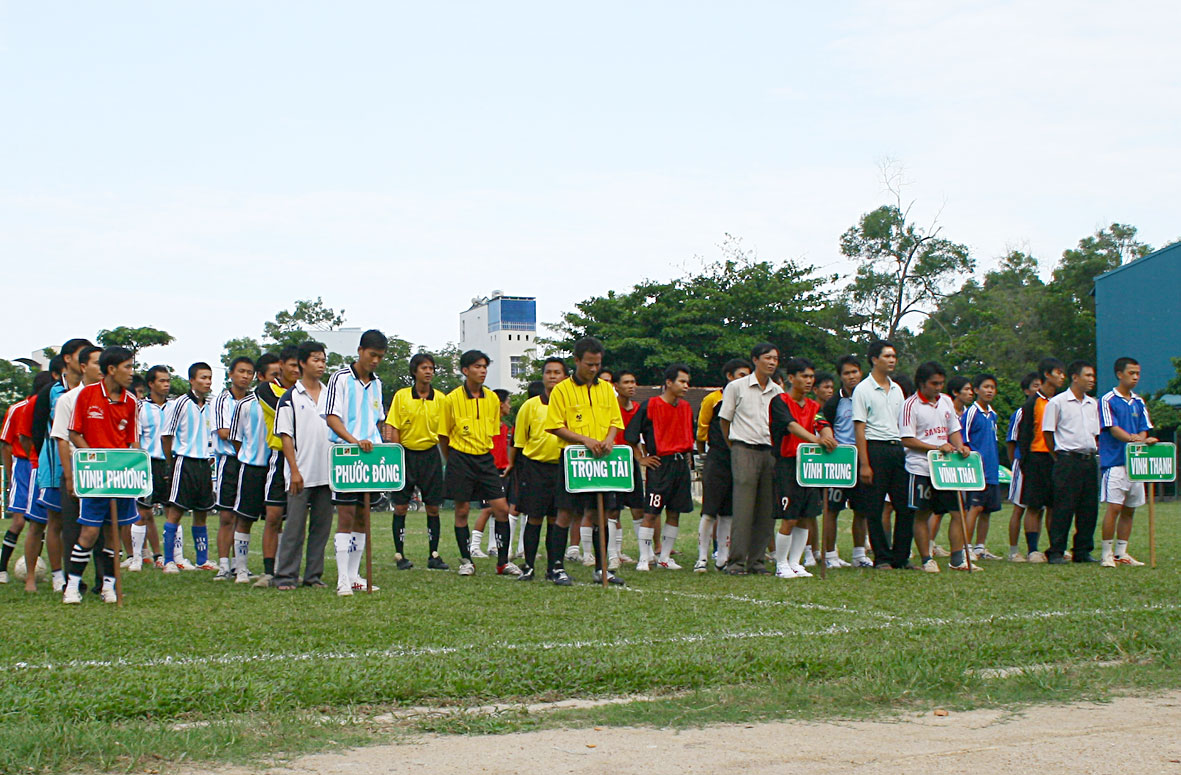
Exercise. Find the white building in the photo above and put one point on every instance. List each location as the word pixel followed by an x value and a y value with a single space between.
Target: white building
pixel 505 327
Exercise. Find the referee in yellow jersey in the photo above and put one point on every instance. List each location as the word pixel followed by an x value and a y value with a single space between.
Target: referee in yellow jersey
pixel 470 420
pixel 583 410
pixel 413 421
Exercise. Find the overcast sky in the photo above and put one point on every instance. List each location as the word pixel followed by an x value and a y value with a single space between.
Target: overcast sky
pixel 198 166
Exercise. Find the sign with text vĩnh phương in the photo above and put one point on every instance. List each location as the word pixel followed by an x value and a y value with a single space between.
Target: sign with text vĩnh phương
pixel 587 473
pixel 381 470
pixel 112 473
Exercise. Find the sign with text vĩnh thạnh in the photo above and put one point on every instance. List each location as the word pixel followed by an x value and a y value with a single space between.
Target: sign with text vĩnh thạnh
pixel 112 473
pixel 952 471
pixel 587 473
pixel 817 468
pixel 1151 462
pixel 381 470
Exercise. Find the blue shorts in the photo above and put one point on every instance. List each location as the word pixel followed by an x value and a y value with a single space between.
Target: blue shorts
pixel 51 498
pixel 988 499
pixel 18 494
pixel 96 511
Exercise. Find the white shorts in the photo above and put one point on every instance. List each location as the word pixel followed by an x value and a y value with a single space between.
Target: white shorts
pixel 1117 489
pixel 1015 486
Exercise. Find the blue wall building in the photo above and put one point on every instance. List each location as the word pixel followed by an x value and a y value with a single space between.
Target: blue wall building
pixel 1138 314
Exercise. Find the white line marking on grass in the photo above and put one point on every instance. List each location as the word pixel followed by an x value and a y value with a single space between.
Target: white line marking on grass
pixel 419 651
pixel 1005 672
pixel 762 601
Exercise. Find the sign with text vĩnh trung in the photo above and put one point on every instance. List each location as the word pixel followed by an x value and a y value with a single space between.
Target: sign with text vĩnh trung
pixel 112 473
pixel 381 470
pixel 1151 462
pixel 952 471
pixel 587 473
pixel 817 468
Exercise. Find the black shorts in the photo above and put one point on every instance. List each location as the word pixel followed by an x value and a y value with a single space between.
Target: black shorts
pixel 160 485
pixel 669 486
pixel 795 502
pixel 717 485
pixel 424 470
pixel 989 499
pixel 1037 481
pixel 506 482
pixel 922 496
pixel 192 484
pixel 276 489
pixel 350 498
pixel 582 502
pixel 634 499
pixel 540 483
pixel 250 494
pixel 839 499
pixel 472 478
pixel 225 481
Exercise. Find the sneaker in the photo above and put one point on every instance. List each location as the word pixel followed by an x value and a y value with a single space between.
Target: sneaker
pixel 1129 560
pixel 242 577
pixel 223 575
pixel 59 585
pixel 1017 557
pixel 939 551
pixel 466 568
pixel 109 596
pixel 669 564
pixel 263 581
pixel 573 553
pixel 344 590
pixel 207 565
pixel 642 565
pixel 964 566
pixel 477 553
pixel 862 562
pixel 1108 561
pixel 624 558
pixel 783 571
pixel 159 562
pixel 611 578
pixel 588 559
pixel 125 562
pixel 930 566
pixel 1037 557
pixel 3 577
pixel 1068 556
pixel 561 578
pixel 987 555
pixel 72 596
pixel 359 586
pixel 613 564
pixel 172 567
pixel 184 564
pixel 526 574
pixel 135 566
pixel 809 560
pixel 508 569
pixel 435 562
pixel 403 563
pixel 801 572
pixel 698 567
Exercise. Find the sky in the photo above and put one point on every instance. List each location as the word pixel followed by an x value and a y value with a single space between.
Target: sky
pixel 198 167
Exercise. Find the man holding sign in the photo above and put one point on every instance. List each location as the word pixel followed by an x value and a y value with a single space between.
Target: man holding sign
pixel 104 418
pixel 1123 418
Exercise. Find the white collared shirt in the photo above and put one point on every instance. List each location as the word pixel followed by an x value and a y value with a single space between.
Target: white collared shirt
pixel 301 418
pixel 878 407
pixel 746 406
pixel 1074 422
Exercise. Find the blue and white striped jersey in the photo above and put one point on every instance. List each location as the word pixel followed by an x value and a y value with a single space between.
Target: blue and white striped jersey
pixel 223 415
pixel 249 428
pixel 151 420
pixel 358 405
pixel 190 426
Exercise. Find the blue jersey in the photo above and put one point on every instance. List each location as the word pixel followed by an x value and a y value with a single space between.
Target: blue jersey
pixel 151 420
pixel 1014 426
pixel 249 428
pixel 223 415
pixel 1130 414
pixel 358 406
pixel 979 430
pixel 190 427
pixel 49 462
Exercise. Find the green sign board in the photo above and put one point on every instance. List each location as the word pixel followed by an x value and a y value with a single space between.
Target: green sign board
pixel 1151 462
pixel 112 473
pixel 817 468
pixel 587 473
pixel 1004 475
pixel 380 470
pixel 952 471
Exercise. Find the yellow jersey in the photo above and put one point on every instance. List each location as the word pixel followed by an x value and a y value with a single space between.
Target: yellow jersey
pixel 269 394
pixel 588 409
pixel 706 413
pixel 470 422
pixel 416 419
pixel 531 437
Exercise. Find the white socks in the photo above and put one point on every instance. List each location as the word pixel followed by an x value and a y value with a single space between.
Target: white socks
pixel 618 545
pixel 668 537
pixel 139 534
pixel 645 536
pixel 178 546
pixel 782 546
pixel 1121 548
pixel 474 543
pixel 356 552
pixel 705 537
pixel 512 531
pixel 586 536
pixel 858 552
pixel 241 551
pixel 342 542
pixel 723 535
pixel 614 534
pixel 799 542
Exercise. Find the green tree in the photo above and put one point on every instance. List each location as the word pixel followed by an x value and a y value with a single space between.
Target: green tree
pixel 16 383
pixel 243 346
pixel 292 326
pixel 134 339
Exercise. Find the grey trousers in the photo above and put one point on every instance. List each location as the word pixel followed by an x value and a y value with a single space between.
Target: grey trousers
pixel 312 506
pixel 753 524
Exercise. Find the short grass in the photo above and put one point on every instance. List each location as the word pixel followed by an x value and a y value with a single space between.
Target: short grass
pixel 192 670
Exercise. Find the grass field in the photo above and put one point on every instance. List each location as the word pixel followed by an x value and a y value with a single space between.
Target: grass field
pixel 192 670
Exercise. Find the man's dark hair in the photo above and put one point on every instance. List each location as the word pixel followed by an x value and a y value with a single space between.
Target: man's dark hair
pixel 876 347
pixel 980 379
pixel 673 370
pixel 113 356
pixel 905 383
pixel 847 360
pixel 1076 368
pixel 925 371
pixel 240 360
pixel 617 376
pixel 536 388
pixel 265 360
pixel 1120 364
pixel 733 365
pixel 41 379
pixel 152 372
pixel 956 384
pixel 87 351
pixel 1048 365
pixel 419 359
pixel 585 345
pixel 196 367
pixel 57 364
pixel 373 340
pixel 307 349
pixel 761 349
pixel 138 382
pixel 555 359
pixel 72 346
pixel 823 377
pixel 502 394
pixel 1029 379
pixel 288 353
pixel 472 357
pixel 796 365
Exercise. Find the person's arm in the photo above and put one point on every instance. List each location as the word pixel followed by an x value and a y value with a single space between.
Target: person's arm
pixel 26 443
pixel 1049 425
pixel 865 471
pixel 336 425
pixel 166 445
pixel 633 435
pixel 6 461
pixel 42 412
pixel 1048 437
pixel 444 446
pixel 1011 448
pixel 294 477
pixel 957 443
pixel 78 440
pixel 63 452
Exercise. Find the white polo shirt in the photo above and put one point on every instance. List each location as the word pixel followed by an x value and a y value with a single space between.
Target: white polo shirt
pixel 63 415
pixel 930 423
pixel 878 407
pixel 1075 422
pixel 747 407
pixel 301 418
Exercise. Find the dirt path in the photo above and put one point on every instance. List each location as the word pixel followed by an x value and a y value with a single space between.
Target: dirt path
pixel 1132 735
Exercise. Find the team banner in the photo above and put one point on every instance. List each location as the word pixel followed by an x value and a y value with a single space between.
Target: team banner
pixel 112 473
pixel 587 473
pixel 381 470
pixel 817 468
pixel 1151 462
pixel 952 471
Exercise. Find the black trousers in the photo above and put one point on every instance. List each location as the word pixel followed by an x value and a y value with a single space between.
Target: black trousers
pixel 1076 498
pixel 888 461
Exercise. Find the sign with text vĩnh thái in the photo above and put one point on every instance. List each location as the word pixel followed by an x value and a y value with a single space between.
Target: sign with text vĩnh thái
pixel 817 468
pixel 381 470
pixel 112 473
pixel 952 471
pixel 587 473
pixel 1151 462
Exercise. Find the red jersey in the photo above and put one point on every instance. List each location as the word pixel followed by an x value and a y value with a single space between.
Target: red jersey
pixel 665 429
pixel 784 411
pixel 13 422
pixel 104 423
pixel 500 447
pixel 627 414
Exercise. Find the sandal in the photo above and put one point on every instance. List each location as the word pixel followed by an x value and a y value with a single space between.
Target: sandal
pixel 286 587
